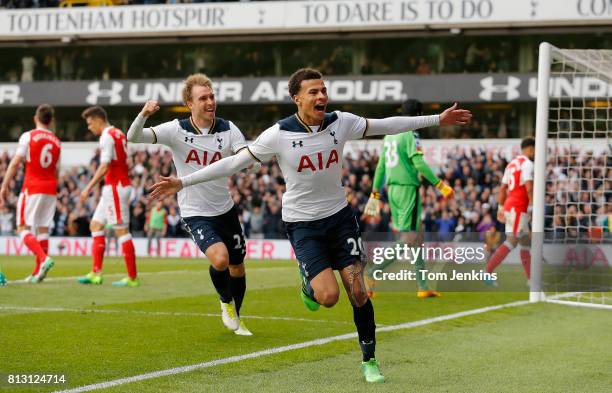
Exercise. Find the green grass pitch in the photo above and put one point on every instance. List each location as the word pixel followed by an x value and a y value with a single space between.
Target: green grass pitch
pixel 96 334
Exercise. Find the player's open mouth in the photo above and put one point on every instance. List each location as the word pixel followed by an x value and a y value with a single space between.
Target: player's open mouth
pixel 319 108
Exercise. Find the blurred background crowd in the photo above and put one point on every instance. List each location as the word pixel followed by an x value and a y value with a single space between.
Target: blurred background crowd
pixel 578 196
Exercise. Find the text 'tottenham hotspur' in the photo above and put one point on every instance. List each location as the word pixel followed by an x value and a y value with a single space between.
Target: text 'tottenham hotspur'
pixel 405 253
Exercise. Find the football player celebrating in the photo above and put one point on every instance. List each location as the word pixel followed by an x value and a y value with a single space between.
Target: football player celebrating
pixel 321 227
pixel 113 207
pixel 40 148
pixel 206 209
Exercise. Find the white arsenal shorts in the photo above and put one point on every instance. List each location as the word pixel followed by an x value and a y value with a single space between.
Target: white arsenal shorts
pixel 36 210
pixel 114 206
pixel 517 222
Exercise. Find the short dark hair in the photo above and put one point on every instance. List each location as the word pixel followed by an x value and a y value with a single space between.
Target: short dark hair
pixel 45 114
pixel 95 111
pixel 527 142
pixel 412 107
pixel 303 74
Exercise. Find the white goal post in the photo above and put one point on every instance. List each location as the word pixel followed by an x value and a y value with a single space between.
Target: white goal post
pixel 572 196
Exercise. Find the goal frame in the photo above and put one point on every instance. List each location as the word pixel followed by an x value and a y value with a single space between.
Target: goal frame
pixel 545 58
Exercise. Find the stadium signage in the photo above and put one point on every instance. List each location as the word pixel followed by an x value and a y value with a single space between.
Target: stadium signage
pixel 295 16
pixel 380 89
pixel 261 249
pixel 10 94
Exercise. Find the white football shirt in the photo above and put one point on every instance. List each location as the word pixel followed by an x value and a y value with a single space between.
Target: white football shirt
pixel 194 148
pixel 107 146
pixel 311 161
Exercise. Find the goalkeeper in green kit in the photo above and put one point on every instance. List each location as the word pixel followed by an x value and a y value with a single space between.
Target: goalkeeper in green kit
pixel 400 164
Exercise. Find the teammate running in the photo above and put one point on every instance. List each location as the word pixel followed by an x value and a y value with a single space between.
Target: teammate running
pixel 40 148
pixel 321 227
pixel 207 210
pixel 113 207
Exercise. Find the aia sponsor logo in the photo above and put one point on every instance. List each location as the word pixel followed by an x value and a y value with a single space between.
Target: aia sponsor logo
pixel 319 161
pixel 202 158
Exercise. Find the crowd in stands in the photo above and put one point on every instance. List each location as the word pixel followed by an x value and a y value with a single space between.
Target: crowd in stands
pixel 578 199
pixel 578 194
pixel 269 58
pixel 252 60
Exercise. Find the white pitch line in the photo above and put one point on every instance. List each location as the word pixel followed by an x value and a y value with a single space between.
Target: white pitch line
pixel 275 350
pixel 161 313
pixel 161 272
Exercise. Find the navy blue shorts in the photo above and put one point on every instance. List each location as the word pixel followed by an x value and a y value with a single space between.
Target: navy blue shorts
pixel 334 242
pixel 206 231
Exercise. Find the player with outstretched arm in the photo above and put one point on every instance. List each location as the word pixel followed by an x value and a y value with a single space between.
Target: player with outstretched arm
pixel 321 227
pixel 207 209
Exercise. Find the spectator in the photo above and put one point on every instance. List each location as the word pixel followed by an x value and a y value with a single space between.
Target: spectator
pixel 256 222
pixel 423 68
pixel 445 225
pixel 138 220
pixel 156 226
pixel 174 223
pixel 483 226
pixel 28 64
pixel 272 224
pixel 61 220
pixel 111 238
pixel 7 220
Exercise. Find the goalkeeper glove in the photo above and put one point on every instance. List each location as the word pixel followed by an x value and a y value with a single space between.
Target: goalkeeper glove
pixel 446 191
pixel 373 206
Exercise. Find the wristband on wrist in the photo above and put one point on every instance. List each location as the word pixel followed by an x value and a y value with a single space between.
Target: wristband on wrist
pixel 375 195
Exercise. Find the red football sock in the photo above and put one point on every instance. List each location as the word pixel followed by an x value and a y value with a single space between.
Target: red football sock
pixel 37 263
pixel 97 250
pixel 43 239
pixel 33 245
pixel 129 253
pixel 498 256
pixel 526 261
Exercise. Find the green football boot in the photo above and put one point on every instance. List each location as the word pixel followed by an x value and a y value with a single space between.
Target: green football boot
pixel 91 278
pixel 127 282
pixel 3 280
pixel 44 269
pixel 307 293
pixel 371 371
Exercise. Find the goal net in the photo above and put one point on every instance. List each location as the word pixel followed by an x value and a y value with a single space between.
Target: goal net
pixel 572 205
